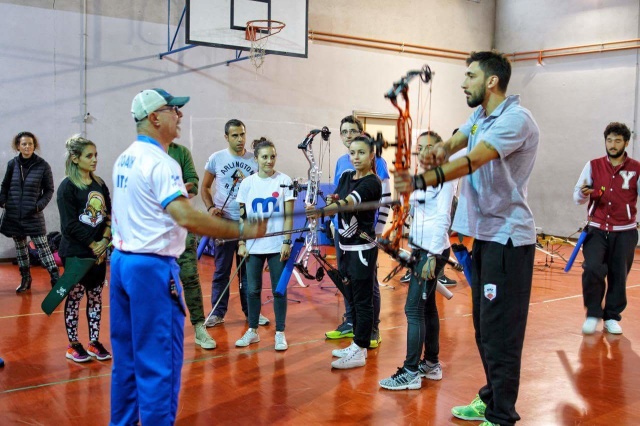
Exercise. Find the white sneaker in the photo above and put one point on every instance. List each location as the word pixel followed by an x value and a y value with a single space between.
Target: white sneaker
pixel 249 337
pixel 341 353
pixel 356 357
pixel 262 320
pixel 203 338
pixel 612 326
pixel 589 326
pixel 281 341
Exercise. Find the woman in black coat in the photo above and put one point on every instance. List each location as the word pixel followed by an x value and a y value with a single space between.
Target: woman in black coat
pixel 26 190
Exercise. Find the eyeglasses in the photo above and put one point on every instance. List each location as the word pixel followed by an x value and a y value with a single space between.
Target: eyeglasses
pixel 175 109
pixel 346 132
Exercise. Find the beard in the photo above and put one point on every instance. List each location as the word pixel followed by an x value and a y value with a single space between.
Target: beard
pixel 476 100
pixel 616 155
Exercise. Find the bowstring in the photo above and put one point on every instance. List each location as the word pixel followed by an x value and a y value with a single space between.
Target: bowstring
pixel 421 107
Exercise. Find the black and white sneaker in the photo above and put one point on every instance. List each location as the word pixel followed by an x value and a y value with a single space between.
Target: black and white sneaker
pixel 406 277
pixel 403 379
pixel 446 281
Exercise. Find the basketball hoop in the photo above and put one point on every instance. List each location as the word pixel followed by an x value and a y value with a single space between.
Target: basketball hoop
pixel 257 33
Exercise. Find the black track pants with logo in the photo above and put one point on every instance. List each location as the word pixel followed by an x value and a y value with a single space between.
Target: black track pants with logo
pixel 501 290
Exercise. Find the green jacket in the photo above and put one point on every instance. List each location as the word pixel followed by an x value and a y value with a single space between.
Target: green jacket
pixel 183 156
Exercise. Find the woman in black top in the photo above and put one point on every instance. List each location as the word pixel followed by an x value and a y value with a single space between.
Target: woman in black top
pixel 358 256
pixel 26 190
pixel 85 221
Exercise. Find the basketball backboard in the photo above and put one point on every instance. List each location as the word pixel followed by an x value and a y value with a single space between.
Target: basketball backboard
pixel 222 23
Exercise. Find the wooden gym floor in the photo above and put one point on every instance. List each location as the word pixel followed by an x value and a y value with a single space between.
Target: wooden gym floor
pixel 567 378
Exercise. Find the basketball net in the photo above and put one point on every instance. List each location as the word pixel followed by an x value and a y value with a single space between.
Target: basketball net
pixel 257 52
pixel 258 32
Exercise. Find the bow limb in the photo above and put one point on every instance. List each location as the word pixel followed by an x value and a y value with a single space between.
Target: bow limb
pixel 402 161
pixel 311 199
pixel 390 241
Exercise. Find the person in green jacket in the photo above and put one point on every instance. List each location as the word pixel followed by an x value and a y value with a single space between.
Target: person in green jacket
pixel 188 261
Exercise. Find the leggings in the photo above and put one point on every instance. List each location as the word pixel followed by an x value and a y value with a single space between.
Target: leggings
pixel 72 311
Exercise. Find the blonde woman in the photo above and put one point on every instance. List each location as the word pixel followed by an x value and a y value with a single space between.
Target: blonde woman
pixel 85 221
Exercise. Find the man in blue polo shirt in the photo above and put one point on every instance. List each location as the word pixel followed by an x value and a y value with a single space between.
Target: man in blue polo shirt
pixel 502 141
pixel 151 215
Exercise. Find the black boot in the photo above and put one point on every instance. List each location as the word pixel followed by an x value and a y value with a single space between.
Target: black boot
pixel 55 275
pixel 26 280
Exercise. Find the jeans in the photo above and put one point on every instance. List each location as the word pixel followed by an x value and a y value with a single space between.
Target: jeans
pixel 223 256
pixel 423 324
pixel 255 266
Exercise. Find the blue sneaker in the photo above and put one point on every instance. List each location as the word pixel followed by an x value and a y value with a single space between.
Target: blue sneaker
pixel 1 362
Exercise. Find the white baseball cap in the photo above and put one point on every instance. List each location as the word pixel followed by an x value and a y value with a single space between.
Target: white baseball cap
pixel 151 100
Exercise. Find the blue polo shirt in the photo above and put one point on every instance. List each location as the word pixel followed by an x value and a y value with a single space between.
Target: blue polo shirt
pixel 493 199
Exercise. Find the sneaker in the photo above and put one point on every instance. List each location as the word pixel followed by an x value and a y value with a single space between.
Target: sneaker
pixel 431 372
pixel 589 326
pixel 1 362
pixel 488 424
pixel 376 339
pixel 473 411
pixel 213 321
pixel 249 337
pixel 203 338
pixel 403 379
pixel 343 330
pixel 262 320
pixel 281 341
pixel 406 277
pixel 612 326
pixel 341 353
pixel 446 281
pixel 98 351
pixel 354 356
pixel 76 352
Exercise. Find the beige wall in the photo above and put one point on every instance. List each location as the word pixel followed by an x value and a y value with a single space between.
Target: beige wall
pixel 573 98
pixel 43 73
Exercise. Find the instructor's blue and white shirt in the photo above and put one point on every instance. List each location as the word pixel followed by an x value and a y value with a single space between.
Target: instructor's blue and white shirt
pixel 145 181
pixel 223 165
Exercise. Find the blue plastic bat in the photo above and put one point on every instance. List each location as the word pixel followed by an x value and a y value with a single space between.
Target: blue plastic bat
pixel 283 282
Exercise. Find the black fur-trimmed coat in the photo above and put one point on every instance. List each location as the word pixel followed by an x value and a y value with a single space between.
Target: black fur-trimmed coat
pixel 24 194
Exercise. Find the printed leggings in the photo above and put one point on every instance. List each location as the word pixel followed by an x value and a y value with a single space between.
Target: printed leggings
pixel 94 311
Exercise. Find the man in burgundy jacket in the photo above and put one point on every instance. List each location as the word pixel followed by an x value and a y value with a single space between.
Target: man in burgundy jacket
pixel 610 185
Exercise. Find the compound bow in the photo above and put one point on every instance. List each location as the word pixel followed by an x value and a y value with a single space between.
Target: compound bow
pixel 311 199
pixel 391 238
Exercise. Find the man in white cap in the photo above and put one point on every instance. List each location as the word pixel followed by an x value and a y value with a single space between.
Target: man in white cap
pixel 151 216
